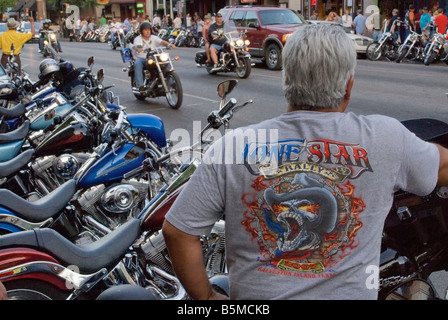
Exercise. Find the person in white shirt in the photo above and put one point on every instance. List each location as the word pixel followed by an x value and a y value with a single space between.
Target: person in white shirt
pixel 157 22
pixel 114 27
pixel 177 22
pixel 347 20
pixel 146 40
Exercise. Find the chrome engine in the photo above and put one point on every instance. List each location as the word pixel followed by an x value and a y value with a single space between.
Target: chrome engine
pixel 52 171
pixel 158 264
pixel 106 207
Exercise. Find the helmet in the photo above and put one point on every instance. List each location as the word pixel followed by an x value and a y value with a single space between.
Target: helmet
pixel 145 25
pixel 69 71
pixel 47 67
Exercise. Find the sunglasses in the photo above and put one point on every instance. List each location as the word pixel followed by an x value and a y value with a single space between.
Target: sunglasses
pixel 218 16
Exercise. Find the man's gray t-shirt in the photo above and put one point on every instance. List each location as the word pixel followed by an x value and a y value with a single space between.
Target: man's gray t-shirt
pixel 305 196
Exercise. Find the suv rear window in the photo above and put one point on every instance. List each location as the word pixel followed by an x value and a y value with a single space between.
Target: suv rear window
pixel 271 17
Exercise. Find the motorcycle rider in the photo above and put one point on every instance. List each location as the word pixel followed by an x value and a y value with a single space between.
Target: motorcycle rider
pixel 216 42
pixel 277 245
pixel 45 27
pixel 114 26
pixel 144 41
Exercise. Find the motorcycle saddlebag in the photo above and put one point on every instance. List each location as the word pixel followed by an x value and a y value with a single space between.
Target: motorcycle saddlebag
pixel 200 57
pixel 126 55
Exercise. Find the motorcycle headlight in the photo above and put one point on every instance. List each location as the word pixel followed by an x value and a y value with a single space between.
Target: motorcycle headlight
pixel 239 42
pixel 52 36
pixel 150 61
pixel 232 43
pixel 164 57
pixel 45 42
pixel 247 42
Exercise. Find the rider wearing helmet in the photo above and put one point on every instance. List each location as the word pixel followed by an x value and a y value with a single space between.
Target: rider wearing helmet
pixel 146 40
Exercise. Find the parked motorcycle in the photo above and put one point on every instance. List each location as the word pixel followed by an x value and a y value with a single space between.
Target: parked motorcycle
pixel 160 78
pixel 41 264
pixel 385 47
pixel 234 56
pixel 412 48
pixel 435 49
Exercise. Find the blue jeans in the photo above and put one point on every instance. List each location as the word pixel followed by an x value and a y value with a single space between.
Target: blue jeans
pixel 139 65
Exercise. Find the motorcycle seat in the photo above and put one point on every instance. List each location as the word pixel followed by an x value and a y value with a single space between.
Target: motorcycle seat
pixel 14 112
pixel 88 258
pixel 41 209
pixel 18 134
pixel 10 167
pixel 427 129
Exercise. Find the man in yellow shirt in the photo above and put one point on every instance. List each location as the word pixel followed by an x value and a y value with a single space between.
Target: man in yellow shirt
pixel 10 37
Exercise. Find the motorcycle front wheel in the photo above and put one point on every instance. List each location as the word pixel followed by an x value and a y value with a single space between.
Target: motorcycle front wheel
pixel 174 96
pixel 245 68
pixel 373 51
pixel 403 54
pixel 430 58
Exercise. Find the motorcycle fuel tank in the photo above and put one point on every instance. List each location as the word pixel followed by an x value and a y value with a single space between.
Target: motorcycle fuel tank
pixel 72 135
pixel 45 118
pixel 113 165
pixel 151 125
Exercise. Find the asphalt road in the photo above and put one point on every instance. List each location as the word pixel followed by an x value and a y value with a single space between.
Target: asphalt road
pixel 403 91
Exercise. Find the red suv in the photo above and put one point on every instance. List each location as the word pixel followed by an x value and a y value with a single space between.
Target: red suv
pixel 267 29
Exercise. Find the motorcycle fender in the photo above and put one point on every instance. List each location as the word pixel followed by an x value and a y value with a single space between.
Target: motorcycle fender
pixel 5 225
pixel 155 220
pixel 151 125
pixel 12 259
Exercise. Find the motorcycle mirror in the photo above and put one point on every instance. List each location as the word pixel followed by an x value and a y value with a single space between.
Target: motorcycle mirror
pixel 100 75
pixel 226 87
pixel 416 289
pixel 90 61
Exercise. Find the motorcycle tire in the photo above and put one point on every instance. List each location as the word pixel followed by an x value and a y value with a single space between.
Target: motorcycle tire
pixel 244 71
pixel 175 96
pixel 32 289
pixel 403 54
pixel 430 58
pixel 372 51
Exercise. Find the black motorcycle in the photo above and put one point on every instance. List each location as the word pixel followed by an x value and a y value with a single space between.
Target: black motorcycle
pixel 385 47
pixel 160 78
pixel 233 57
pixel 415 236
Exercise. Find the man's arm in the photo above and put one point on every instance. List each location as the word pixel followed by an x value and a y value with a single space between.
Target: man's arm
pixel 443 166
pixel 33 30
pixel 185 252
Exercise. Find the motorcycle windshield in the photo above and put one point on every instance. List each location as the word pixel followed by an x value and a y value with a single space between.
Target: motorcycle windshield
pixel 231 31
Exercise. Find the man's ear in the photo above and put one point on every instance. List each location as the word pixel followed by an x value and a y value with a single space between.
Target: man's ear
pixel 348 92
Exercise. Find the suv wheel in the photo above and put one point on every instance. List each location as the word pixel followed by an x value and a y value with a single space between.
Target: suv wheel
pixel 273 57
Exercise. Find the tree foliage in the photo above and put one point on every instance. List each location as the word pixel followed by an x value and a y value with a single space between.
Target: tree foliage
pixel 5 4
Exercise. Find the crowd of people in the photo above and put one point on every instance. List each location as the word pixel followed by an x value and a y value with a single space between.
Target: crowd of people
pixel 87 24
pixel 423 21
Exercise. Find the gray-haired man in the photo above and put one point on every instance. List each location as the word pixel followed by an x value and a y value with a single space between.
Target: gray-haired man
pixel 308 224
